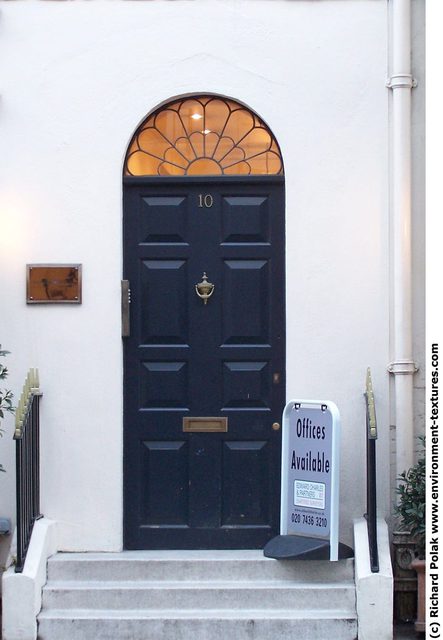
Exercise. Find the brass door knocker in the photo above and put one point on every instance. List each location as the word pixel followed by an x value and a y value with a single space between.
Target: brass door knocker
pixel 204 289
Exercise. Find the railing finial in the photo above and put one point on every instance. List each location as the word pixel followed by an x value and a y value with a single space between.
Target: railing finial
pixel 31 388
pixel 371 405
pixel 371 473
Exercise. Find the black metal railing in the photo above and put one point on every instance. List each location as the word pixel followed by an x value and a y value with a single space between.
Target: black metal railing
pixel 371 474
pixel 27 448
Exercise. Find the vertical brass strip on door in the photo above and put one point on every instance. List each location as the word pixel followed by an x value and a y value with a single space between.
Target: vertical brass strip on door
pixel 126 299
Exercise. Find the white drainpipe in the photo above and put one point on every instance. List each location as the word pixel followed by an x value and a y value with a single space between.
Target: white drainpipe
pixel 402 367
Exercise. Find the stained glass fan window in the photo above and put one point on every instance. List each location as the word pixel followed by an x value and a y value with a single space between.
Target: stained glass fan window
pixel 203 135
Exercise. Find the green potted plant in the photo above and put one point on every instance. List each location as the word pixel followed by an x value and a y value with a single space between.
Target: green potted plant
pixel 5 395
pixel 411 509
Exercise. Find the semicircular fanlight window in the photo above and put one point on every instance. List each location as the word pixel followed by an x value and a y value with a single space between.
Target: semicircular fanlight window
pixel 203 135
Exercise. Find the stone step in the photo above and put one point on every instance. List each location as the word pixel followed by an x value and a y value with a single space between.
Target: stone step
pixel 196 625
pixel 194 566
pixel 196 595
pixel 209 595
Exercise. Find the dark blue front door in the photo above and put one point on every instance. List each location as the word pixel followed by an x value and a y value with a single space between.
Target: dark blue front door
pixel 216 485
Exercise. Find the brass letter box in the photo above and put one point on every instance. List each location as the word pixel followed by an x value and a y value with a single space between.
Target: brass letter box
pixel 205 425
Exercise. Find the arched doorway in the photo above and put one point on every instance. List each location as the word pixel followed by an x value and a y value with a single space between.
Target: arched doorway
pixel 204 377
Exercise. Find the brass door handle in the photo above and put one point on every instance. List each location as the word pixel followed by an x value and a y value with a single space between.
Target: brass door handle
pixel 276 426
pixel 204 289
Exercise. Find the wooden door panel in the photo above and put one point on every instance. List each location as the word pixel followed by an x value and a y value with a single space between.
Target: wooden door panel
pixel 245 219
pixel 163 219
pixel 164 475
pixel 245 302
pixel 164 385
pixel 164 318
pixel 246 494
pixel 185 358
pixel 246 385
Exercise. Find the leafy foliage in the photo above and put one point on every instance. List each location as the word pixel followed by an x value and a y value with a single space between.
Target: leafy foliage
pixel 5 395
pixel 412 499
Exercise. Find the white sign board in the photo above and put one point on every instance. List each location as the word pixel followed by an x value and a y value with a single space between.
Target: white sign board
pixel 310 471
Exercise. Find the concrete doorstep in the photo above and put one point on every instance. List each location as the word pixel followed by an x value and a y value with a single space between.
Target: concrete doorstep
pixel 196 595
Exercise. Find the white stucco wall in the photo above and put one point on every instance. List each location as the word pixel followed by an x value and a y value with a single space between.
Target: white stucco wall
pixel 77 78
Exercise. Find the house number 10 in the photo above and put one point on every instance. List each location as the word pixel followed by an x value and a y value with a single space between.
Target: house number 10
pixel 205 200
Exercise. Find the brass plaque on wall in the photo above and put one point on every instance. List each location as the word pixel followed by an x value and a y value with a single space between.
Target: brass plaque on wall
pixel 205 425
pixel 53 283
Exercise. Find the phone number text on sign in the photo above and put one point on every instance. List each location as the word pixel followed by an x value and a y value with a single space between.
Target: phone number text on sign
pixel 308 519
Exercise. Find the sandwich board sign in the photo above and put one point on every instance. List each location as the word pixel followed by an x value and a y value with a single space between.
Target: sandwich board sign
pixel 310 471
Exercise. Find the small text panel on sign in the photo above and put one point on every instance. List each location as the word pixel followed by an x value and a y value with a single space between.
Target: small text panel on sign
pixel 309 494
